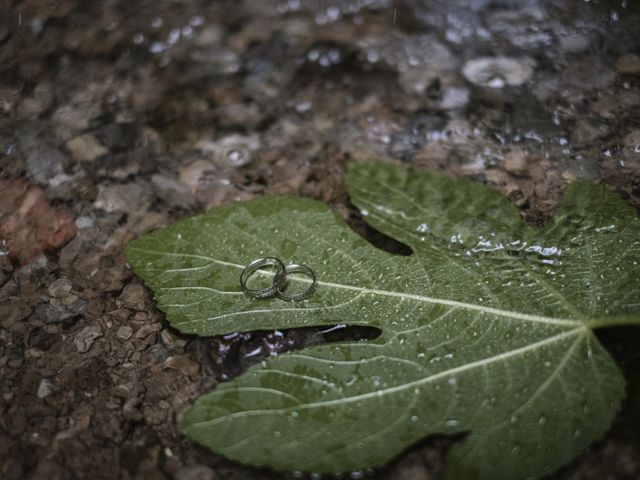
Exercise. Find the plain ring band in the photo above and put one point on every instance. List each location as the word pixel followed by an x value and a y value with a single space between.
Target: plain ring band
pixel 297 297
pixel 279 278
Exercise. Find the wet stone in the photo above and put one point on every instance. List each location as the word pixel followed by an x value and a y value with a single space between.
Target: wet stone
pixel 11 313
pixel 46 388
pixel 498 72
pixel 628 64
pixel 124 332
pixel 85 338
pixel 589 75
pixel 86 148
pixel 60 288
pixel 134 296
pixel 515 161
pixel 43 164
pixel 195 472
pixel 29 226
pixel 232 150
pixel 4 277
pixel 127 198
pixel 84 222
pixel 172 191
pixel 40 339
pixel 64 314
pixel 183 364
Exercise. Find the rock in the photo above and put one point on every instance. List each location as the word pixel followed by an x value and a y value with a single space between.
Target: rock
pixel 632 145
pixel 4 277
pixel 134 296
pixel 60 288
pixel 84 222
pixel 575 42
pixel 173 191
pixel 589 75
pixel 86 148
pixel 195 472
pixel 124 332
pixel 44 163
pixel 8 99
pixel 515 161
pixel 40 339
pixel 28 225
pixel 127 198
pixel 232 150
pixel 498 72
pixel 417 80
pixel 183 364
pixel 11 313
pixel 85 338
pixel 46 388
pixel 239 115
pixel 194 174
pixel 209 36
pixel 628 64
pixel 70 120
pixel 39 101
pixel 65 314
pixel 454 97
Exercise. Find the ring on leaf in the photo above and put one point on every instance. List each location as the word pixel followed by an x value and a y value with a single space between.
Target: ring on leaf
pixel 279 278
pixel 297 297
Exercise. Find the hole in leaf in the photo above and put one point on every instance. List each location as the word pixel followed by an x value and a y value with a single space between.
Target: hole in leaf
pixel 230 355
pixel 373 236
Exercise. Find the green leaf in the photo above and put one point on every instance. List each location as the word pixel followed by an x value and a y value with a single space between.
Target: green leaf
pixel 487 328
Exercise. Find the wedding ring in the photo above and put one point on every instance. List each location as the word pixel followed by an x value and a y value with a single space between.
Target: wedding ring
pixel 297 297
pixel 279 278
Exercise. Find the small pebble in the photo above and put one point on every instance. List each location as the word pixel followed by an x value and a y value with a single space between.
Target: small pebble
pixel 60 288
pixel 85 338
pixel 195 472
pixel 183 364
pixel 86 148
pixel 46 388
pixel 498 72
pixel 515 161
pixel 125 332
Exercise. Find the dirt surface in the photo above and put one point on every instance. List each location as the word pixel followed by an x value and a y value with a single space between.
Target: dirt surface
pixel 118 117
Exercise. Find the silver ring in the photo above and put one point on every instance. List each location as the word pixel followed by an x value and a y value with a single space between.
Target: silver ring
pixel 279 278
pixel 297 297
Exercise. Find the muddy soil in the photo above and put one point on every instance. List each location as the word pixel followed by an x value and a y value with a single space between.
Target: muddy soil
pixel 118 117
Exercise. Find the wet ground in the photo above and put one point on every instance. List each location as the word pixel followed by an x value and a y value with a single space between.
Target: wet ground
pixel 118 117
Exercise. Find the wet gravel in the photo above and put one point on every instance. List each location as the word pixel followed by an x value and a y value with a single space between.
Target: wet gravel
pixel 119 117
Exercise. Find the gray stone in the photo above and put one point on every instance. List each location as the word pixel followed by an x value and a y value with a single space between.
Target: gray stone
pixel 60 288
pixel 46 388
pixel 85 338
pixel 124 332
pixel 44 163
